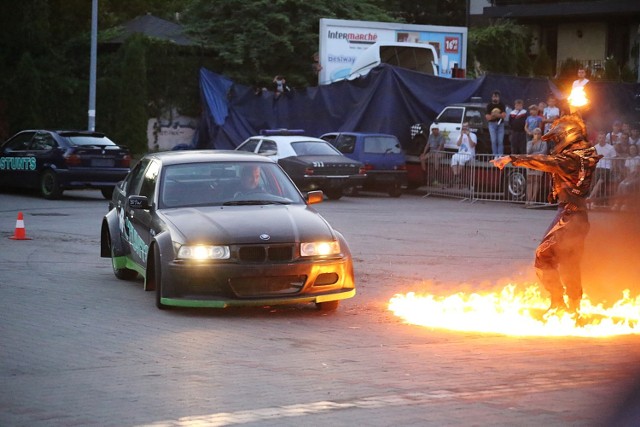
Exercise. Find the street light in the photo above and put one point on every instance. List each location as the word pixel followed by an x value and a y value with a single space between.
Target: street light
pixel 93 62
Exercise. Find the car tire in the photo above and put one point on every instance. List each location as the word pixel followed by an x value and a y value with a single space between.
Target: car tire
pixel 155 274
pixel 328 305
pixel 395 190
pixel 107 193
pixel 121 273
pixel 334 194
pixel 351 191
pixel 515 185
pixel 49 185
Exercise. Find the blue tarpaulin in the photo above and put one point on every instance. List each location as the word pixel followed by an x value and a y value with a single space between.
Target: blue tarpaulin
pixel 389 100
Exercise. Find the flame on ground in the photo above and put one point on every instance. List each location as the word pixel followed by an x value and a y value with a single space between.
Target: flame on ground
pixel 517 313
pixel 578 98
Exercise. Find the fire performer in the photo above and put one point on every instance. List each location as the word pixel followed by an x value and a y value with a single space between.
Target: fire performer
pixel 571 162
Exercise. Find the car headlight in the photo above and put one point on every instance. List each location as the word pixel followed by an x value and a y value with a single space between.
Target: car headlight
pixel 319 248
pixel 203 252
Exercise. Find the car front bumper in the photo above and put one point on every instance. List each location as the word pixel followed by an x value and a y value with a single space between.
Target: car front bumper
pixel 222 285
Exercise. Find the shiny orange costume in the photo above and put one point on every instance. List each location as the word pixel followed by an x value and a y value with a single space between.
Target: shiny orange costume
pixel 571 163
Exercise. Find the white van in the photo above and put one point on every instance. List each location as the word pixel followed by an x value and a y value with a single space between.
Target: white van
pixel 413 56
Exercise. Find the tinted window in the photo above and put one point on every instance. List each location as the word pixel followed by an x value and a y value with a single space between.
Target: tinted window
pixel 89 140
pixel 345 144
pixel 249 145
pixel 43 141
pixel 450 115
pixel 381 145
pixel 20 142
pixel 474 117
pixel 149 180
pixel 315 148
pixel 134 179
pixel 269 147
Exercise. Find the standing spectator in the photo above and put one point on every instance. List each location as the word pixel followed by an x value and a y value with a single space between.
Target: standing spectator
pixel 534 120
pixel 534 177
pixel 616 130
pixel 582 78
pixel 496 114
pixel 432 153
pixel 517 122
pixel 550 113
pixel 634 136
pixel 466 151
pixel 601 188
pixel 629 187
pixel 280 85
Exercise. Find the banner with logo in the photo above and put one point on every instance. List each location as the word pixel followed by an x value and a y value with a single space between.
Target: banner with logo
pixel 341 41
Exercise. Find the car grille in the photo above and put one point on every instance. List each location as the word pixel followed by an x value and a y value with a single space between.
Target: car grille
pixel 267 286
pixel 266 253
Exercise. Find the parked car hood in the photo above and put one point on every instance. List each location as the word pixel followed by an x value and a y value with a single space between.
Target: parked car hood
pixel 245 224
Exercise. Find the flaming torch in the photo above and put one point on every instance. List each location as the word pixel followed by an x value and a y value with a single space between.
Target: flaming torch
pixel 577 99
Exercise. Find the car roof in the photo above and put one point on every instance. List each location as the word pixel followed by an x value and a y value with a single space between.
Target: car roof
pixel 203 156
pixel 288 138
pixel 361 134
pixel 467 104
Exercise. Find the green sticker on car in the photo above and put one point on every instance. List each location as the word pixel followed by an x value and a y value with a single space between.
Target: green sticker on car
pixel 18 163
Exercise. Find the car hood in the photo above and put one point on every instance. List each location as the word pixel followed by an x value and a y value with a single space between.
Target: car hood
pixel 245 224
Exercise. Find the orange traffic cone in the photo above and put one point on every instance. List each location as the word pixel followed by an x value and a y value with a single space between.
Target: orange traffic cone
pixel 20 233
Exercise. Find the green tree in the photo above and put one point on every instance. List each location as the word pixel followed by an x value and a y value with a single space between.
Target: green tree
pixel 542 66
pixel 256 40
pixel 434 12
pixel 25 95
pixel 499 48
pixel 132 116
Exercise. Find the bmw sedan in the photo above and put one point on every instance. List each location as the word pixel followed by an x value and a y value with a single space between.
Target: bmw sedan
pixel 54 161
pixel 224 228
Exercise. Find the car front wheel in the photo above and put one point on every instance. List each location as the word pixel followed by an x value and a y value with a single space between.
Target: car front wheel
pixel 121 273
pixel 334 193
pixel 156 277
pixel 515 185
pixel 49 185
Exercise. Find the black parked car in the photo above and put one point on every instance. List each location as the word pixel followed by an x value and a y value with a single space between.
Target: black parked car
pixel 54 161
pixel 224 228
pixel 312 163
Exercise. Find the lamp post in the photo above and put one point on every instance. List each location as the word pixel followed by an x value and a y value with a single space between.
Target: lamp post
pixel 92 67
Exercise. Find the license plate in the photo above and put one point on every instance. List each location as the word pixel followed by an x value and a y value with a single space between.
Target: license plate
pixel 102 163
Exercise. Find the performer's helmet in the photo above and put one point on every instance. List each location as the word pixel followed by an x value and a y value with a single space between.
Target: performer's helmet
pixel 567 133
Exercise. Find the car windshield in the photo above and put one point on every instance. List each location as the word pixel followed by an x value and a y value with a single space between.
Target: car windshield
pixel 226 183
pixel 314 148
pixel 381 145
pixel 89 140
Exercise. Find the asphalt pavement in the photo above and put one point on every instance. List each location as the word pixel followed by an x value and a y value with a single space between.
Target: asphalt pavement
pixel 79 347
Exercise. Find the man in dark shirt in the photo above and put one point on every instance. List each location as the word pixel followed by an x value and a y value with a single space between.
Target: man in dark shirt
pixel 496 114
pixel 517 120
pixel 572 163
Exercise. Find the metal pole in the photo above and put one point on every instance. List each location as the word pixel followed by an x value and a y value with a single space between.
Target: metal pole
pixel 92 72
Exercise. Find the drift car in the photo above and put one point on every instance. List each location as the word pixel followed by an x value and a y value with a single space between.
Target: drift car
pixel 54 161
pixel 224 228
pixel 312 163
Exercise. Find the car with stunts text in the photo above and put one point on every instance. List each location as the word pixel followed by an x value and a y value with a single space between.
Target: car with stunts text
pixel 216 228
pixel 57 160
pixel 312 163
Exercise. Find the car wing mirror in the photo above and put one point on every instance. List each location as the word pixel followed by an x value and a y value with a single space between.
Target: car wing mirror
pixel 138 202
pixel 269 152
pixel 314 197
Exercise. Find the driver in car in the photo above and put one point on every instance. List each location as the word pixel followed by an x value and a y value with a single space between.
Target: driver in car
pixel 249 181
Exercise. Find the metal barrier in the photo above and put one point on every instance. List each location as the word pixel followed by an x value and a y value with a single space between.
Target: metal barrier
pixel 478 179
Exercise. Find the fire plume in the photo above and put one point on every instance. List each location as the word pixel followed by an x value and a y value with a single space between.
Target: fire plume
pixel 578 98
pixel 517 313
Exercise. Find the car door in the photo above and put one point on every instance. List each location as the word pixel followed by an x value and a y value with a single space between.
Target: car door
pixel 44 148
pixel 18 166
pixel 450 124
pixel 140 221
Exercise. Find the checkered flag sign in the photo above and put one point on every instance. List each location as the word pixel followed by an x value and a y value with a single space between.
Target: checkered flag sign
pixel 416 129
